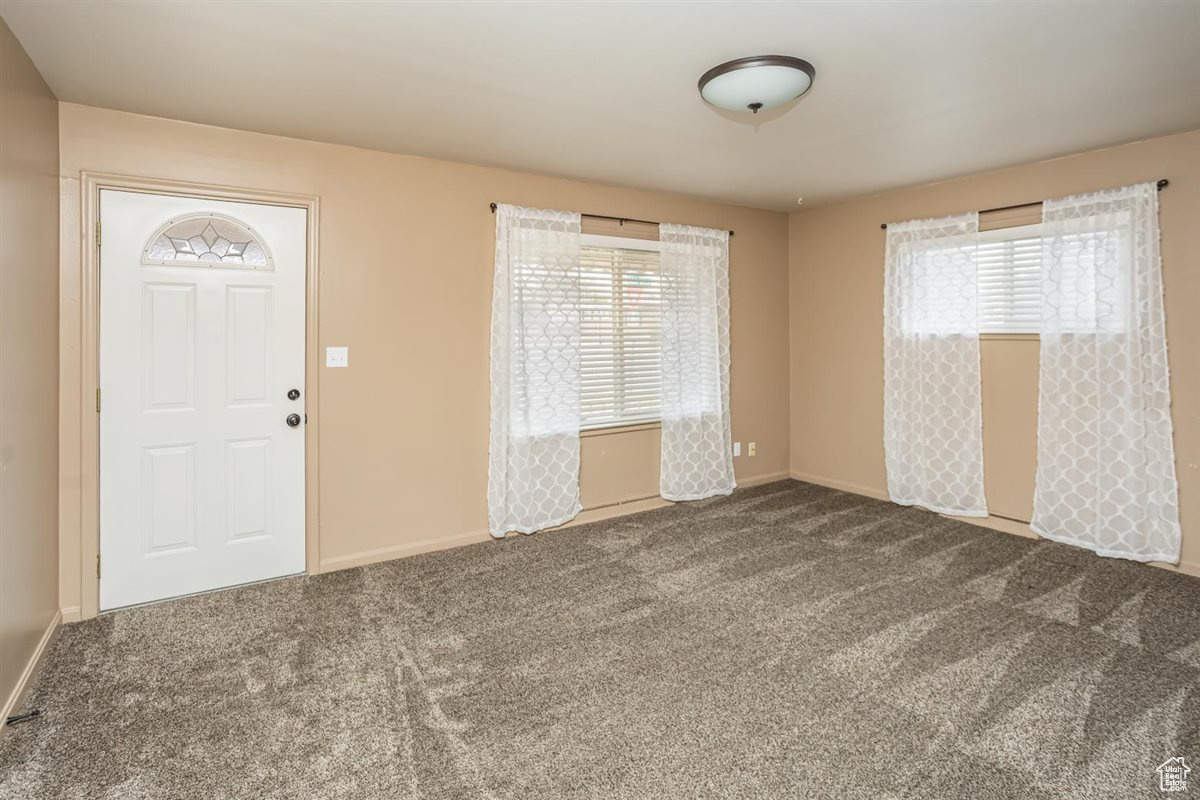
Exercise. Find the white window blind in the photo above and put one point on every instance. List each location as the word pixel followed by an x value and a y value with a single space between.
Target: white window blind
pixel 1010 264
pixel 620 357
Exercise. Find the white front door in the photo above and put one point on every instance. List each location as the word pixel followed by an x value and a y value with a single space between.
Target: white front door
pixel 202 307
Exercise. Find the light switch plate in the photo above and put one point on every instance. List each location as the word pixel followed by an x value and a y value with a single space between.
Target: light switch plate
pixel 737 449
pixel 337 356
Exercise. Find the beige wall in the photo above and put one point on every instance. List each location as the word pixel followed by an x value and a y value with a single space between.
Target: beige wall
pixel 836 288
pixel 406 253
pixel 28 362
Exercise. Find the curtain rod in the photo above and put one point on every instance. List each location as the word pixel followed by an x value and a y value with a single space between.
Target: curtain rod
pixel 1162 184
pixel 621 220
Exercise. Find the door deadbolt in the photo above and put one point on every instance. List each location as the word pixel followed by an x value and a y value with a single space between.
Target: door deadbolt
pixel 293 394
pixel 293 420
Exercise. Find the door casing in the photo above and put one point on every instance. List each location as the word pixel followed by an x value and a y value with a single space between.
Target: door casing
pixel 91 183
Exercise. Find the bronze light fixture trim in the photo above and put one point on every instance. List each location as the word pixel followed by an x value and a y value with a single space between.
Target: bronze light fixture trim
pixel 756 82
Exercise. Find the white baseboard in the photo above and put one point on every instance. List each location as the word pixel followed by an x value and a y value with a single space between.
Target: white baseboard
pixel 402 550
pixel 630 506
pixel 1018 528
pixel 621 509
pixel 1186 567
pixel 758 480
pixel 995 523
pixel 1013 526
pixel 841 486
pixel 72 614
pixel 25 682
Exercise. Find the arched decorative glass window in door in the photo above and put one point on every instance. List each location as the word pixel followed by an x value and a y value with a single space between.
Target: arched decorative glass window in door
pixel 207 240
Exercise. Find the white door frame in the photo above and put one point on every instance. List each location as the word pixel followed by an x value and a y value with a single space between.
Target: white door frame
pixel 89 428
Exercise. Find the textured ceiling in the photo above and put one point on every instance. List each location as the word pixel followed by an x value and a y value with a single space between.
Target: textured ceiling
pixel 905 92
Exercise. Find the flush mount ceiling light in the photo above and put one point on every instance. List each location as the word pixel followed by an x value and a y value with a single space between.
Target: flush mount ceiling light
pixel 757 82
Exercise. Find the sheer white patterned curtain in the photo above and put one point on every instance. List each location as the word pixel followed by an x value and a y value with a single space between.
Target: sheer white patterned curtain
pixel 932 423
pixel 697 447
pixel 533 470
pixel 1106 461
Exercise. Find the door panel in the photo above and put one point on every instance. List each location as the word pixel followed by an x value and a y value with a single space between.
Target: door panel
pixel 248 333
pixel 201 337
pixel 169 498
pixel 248 487
pixel 169 345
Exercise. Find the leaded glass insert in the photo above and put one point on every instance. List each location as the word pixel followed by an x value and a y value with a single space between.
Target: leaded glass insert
pixel 207 240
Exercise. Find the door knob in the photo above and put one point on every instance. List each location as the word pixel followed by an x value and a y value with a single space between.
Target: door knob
pixel 293 394
pixel 293 420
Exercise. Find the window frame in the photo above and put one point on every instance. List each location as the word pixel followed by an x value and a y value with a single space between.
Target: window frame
pixel 606 242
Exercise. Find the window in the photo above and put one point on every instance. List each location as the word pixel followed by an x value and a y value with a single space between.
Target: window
pixel 201 240
pixel 1092 264
pixel 1010 291
pixel 620 356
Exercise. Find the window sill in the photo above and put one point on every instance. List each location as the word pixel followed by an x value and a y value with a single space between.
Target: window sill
pixel 634 427
pixel 1009 337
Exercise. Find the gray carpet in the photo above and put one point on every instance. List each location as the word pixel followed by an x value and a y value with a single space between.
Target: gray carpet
pixel 789 641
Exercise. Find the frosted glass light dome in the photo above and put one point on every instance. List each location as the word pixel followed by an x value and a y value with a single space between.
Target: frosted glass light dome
pixel 757 82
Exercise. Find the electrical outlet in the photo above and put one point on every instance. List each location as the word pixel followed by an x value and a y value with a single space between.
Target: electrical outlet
pixel 737 449
pixel 750 449
pixel 337 356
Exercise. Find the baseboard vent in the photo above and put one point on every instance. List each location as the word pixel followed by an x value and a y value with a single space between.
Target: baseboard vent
pixel 28 715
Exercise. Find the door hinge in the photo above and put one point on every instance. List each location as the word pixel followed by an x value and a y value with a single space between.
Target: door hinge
pixel 97 234
pixel 97 401
pixel 97 566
